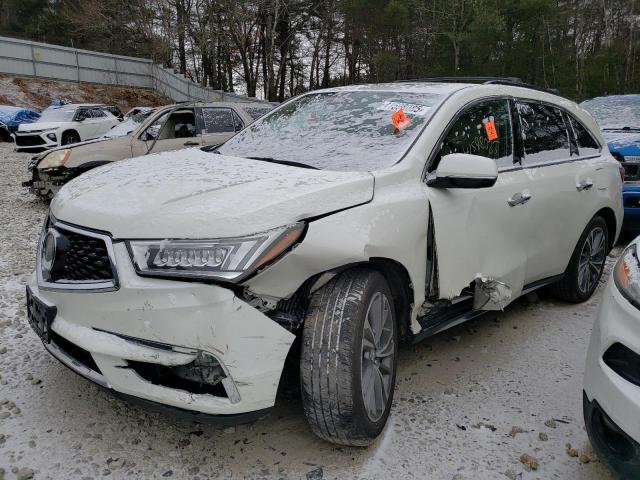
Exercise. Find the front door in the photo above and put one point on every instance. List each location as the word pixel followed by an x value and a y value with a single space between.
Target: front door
pixel 172 130
pixel 481 234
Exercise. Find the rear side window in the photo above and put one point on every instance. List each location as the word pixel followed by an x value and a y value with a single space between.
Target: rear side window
pixel 587 145
pixel 218 120
pixel 483 129
pixel 545 136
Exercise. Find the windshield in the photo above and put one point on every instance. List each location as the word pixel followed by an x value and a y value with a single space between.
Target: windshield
pixel 60 114
pixel 345 131
pixel 615 112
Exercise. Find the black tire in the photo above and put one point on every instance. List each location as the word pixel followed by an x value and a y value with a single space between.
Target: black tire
pixel 69 138
pixel 569 288
pixel 331 360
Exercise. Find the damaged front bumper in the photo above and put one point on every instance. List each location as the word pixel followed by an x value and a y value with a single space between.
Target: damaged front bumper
pixel 190 348
pixel 46 183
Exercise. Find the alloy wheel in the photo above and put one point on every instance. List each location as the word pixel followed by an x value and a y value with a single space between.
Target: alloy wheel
pixel 378 356
pixel 592 259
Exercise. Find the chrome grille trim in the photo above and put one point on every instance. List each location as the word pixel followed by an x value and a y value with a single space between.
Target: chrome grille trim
pixel 80 285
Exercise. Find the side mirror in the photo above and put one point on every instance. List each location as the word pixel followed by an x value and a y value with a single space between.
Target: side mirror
pixel 463 170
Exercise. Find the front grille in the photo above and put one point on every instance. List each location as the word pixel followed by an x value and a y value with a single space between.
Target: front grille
pixel 631 171
pixel 70 257
pixel 29 140
pixel 86 259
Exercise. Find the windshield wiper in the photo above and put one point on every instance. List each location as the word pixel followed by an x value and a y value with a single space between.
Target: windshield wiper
pixel 283 162
pixel 624 129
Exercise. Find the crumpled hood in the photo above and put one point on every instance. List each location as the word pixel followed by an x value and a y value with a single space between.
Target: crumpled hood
pixel 196 194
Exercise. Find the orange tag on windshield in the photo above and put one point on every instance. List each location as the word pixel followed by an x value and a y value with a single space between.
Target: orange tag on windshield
pixel 490 130
pixel 400 119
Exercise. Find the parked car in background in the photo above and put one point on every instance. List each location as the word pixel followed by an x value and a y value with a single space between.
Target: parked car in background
pixel 612 374
pixel 64 125
pixel 11 118
pixel 136 111
pixel 351 218
pixel 114 110
pixel 168 128
pixel 619 119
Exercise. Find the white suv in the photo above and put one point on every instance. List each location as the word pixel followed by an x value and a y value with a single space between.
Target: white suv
pixel 64 125
pixel 352 218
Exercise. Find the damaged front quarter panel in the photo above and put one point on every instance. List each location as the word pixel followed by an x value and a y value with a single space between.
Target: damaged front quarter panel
pixel 392 227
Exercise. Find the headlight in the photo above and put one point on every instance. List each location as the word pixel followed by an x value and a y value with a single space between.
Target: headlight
pixel 626 274
pixel 57 158
pixel 227 259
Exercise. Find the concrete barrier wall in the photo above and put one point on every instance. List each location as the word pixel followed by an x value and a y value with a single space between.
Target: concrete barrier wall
pixel 42 60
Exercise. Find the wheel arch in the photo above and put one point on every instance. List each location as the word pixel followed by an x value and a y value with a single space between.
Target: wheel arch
pixel 399 281
pixel 395 274
pixel 609 217
pixel 69 130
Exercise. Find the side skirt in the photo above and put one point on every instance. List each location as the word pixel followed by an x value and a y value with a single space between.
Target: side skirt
pixel 442 317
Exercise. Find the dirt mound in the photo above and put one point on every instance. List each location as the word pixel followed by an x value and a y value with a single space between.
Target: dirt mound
pixel 36 93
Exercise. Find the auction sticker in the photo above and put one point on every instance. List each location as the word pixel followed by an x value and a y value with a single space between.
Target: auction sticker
pixel 408 108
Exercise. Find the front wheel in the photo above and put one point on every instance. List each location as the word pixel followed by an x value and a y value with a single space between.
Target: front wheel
pixel 586 265
pixel 348 358
pixel 69 137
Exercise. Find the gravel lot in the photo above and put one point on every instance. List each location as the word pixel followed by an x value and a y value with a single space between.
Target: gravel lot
pixel 469 402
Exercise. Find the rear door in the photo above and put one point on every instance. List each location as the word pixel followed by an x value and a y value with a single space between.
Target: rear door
pixel 218 124
pixel 563 191
pixel 483 233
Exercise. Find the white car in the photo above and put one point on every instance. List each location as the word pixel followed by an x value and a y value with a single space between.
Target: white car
pixel 352 218
pixel 64 125
pixel 612 376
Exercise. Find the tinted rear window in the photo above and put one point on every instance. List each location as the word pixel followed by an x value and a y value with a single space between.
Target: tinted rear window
pixel 544 133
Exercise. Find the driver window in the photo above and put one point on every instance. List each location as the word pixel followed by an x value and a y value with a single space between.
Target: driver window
pixel 82 114
pixel 178 124
pixel 152 131
pixel 483 129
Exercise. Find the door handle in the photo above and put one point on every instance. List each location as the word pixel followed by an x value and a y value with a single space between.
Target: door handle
pixel 585 184
pixel 191 144
pixel 519 198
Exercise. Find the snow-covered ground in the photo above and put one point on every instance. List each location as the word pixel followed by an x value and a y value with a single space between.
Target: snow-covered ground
pixel 469 403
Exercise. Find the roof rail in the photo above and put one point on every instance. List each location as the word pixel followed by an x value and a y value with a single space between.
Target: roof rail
pixel 480 79
pixel 511 81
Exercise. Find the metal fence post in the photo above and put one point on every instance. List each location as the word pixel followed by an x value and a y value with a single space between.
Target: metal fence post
pixel 115 68
pixel 77 65
pixel 33 60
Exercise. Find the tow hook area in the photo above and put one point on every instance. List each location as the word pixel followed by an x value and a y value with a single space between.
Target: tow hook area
pixel 204 375
pixel 490 294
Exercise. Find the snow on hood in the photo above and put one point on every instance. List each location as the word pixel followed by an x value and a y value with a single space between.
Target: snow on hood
pixel 196 194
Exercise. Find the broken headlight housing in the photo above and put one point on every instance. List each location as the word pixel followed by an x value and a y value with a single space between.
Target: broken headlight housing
pixel 225 259
pixel 55 159
pixel 626 275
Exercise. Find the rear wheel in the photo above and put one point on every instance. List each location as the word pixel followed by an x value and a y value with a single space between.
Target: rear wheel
pixel 69 137
pixel 587 263
pixel 348 358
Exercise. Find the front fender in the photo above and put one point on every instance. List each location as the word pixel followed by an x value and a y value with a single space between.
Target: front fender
pixel 392 226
